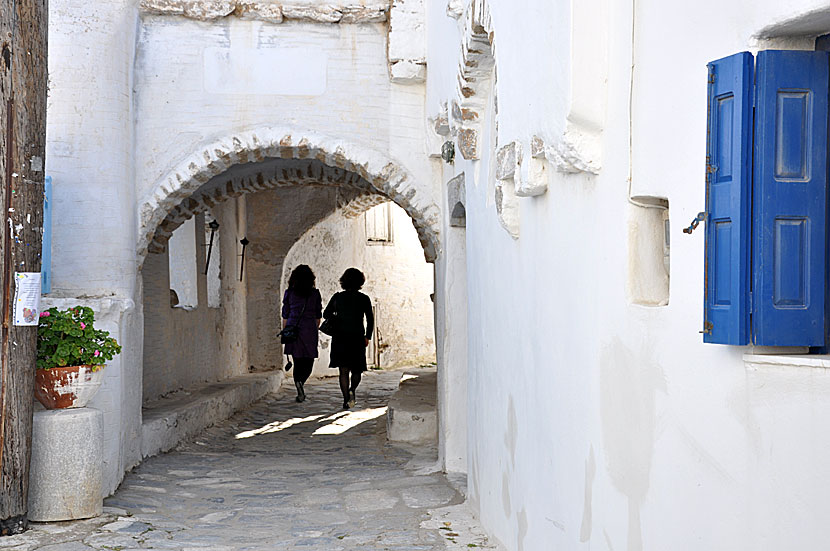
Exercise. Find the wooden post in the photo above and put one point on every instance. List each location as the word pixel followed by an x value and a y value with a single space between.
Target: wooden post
pixel 23 81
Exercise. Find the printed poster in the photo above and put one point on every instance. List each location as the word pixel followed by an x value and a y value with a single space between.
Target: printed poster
pixel 26 298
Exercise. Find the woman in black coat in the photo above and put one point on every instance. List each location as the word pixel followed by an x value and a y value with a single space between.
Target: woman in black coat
pixel 348 345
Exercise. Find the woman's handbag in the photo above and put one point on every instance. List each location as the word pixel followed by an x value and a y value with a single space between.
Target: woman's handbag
pixel 329 325
pixel 290 333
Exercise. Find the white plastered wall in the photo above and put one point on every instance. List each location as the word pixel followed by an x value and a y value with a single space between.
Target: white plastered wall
pixel 594 422
pixel 89 156
pixel 451 327
pixel 348 92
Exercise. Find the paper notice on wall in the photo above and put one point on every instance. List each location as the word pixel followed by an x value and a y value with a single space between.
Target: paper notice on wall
pixel 26 298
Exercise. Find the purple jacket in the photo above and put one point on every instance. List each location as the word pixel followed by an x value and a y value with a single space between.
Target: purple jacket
pixel 292 306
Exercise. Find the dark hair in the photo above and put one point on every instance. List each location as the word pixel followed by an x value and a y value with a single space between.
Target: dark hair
pixel 352 279
pixel 302 280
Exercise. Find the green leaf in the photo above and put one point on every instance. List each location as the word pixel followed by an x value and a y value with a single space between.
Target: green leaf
pixel 61 341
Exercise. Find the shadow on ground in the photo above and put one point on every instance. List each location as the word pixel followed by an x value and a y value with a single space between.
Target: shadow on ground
pixel 279 475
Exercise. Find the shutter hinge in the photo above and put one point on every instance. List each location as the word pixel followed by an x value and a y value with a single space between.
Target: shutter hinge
pixel 712 76
pixel 707 327
pixel 701 216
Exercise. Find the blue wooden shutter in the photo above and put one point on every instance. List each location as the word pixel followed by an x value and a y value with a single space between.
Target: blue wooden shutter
pixel 46 250
pixel 728 184
pixel 790 198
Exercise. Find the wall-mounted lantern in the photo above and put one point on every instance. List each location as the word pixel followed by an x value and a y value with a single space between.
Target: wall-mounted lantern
pixel 244 241
pixel 448 151
pixel 213 225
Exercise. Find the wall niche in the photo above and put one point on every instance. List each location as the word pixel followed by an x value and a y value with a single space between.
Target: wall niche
pixel 648 251
pixel 456 196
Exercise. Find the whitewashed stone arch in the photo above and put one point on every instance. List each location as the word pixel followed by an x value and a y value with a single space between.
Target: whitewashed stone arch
pixel 355 196
pixel 356 162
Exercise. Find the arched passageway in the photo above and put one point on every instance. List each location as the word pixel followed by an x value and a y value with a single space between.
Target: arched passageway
pixel 270 193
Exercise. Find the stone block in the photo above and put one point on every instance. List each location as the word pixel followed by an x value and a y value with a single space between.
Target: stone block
pixel 468 143
pixel 369 13
pixel 407 72
pixel 66 466
pixel 441 123
pixel 508 161
pixel 528 177
pixel 407 31
pixel 455 8
pixel 263 11
pixel 323 13
pixel 507 207
pixel 207 10
pixel 536 182
pixel 413 415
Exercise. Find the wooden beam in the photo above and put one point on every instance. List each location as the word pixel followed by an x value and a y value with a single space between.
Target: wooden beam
pixel 23 83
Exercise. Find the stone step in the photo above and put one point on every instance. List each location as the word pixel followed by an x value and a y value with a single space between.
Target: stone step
pixel 168 421
pixel 413 415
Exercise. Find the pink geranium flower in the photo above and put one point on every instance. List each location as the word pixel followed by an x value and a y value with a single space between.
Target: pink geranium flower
pixel 44 314
pixel 83 325
pixel 97 353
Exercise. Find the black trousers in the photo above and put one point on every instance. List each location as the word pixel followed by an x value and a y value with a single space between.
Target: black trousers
pixel 302 369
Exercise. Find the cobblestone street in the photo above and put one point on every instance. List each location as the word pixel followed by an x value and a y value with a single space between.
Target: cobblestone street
pixel 281 475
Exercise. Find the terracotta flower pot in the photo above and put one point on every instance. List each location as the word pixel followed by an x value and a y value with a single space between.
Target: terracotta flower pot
pixel 67 387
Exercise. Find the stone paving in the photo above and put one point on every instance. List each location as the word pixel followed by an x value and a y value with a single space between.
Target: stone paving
pixel 281 475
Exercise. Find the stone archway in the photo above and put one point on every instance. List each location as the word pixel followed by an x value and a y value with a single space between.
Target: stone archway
pixel 339 162
pixel 353 177
pixel 356 194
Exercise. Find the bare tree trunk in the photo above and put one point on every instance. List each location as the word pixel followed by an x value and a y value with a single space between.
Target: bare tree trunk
pixel 23 82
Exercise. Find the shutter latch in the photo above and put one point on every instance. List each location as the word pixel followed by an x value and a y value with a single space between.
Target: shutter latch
pixel 701 216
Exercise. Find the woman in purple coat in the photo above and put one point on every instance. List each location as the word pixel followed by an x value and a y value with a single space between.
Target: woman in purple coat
pixel 303 307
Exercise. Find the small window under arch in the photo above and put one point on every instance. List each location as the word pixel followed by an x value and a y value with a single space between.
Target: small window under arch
pixel 183 271
pixel 379 224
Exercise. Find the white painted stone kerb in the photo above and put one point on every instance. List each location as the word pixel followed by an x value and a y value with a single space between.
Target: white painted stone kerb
pixel 169 421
